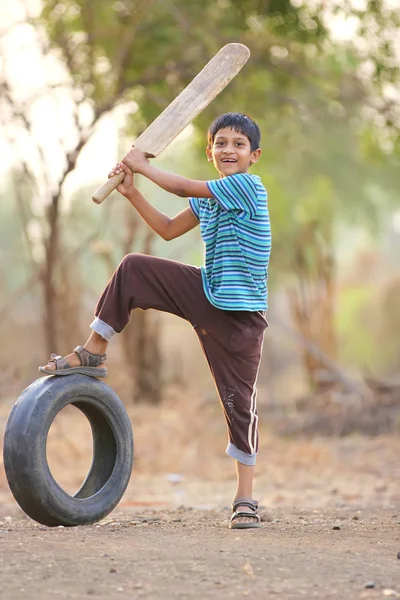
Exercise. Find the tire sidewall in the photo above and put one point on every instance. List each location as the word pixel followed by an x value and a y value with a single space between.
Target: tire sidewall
pixel 25 444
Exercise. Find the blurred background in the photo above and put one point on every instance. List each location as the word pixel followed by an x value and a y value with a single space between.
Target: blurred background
pixel 79 81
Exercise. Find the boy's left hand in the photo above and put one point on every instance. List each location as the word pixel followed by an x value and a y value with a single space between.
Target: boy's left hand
pixel 135 159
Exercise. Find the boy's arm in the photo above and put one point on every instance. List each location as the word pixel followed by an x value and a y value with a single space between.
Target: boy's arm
pixel 181 186
pixel 163 225
pixel 166 227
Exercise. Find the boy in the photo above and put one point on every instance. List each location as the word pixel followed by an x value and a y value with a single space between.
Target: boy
pixel 225 301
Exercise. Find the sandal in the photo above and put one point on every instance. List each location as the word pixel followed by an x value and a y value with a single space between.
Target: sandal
pixel 253 505
pixel 88 364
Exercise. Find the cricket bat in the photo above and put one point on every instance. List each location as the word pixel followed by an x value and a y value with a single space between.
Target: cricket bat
pixel 215 76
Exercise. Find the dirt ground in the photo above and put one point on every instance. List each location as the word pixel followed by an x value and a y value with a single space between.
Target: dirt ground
pixel 190 554
pixel 331 529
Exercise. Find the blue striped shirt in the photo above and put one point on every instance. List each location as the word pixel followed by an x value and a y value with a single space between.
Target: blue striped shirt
pixel 235 229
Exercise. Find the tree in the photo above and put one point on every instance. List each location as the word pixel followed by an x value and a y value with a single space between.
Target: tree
pixel 300 84
pixel 77 82
pixel 57 278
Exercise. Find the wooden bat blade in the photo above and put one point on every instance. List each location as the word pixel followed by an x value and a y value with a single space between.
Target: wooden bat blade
pixel 213 78
pixel 193 99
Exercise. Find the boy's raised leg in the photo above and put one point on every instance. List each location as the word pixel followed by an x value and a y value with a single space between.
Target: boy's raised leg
pixel 95 344
pixel 141 281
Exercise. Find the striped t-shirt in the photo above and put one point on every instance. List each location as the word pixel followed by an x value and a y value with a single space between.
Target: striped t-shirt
pixel 235 229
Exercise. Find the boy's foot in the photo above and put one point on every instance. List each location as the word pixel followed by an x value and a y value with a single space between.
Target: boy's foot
pixel 245 514
pixel 81 361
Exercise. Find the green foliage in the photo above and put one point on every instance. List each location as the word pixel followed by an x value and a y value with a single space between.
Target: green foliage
pixel 356 340
pixel 158 45
pixel 331 143
pixel 148 51
pixel 326 155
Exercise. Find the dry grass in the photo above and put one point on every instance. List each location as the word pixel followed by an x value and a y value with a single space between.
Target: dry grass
pixel 190 438
pixel 187 435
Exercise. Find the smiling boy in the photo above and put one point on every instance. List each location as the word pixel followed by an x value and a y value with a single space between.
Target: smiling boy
pixel 225 301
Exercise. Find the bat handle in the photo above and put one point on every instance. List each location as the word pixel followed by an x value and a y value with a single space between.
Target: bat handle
pixel 106 189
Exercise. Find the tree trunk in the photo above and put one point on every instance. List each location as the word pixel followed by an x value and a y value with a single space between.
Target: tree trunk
pixel 141 338
pixel 148 356
pixel 142 348
pixel 48 279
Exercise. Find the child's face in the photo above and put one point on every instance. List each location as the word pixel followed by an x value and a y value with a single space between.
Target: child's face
pixel 231 152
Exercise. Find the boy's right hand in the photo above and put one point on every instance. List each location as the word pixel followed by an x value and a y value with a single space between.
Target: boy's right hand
pixel 128 185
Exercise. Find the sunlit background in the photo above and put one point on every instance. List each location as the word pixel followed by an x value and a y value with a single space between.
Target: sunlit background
pixel 79 80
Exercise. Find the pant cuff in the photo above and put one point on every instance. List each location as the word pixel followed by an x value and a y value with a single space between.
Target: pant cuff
pixel 242 457
pixel 103 329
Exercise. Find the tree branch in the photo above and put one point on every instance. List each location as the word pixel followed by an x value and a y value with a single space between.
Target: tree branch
pixel 20 112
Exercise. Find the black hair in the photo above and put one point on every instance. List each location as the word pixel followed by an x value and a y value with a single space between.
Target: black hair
pixel 238 122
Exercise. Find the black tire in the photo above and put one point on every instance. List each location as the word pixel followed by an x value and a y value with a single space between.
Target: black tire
pixel 25 459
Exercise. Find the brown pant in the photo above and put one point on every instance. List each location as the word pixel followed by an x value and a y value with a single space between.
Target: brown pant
pixel 231 340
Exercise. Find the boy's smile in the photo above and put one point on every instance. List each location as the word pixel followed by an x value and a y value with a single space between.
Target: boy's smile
pixel 231 152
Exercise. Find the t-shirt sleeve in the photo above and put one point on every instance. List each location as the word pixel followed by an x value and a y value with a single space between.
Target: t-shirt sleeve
pixel 236 193
pixel 194 205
